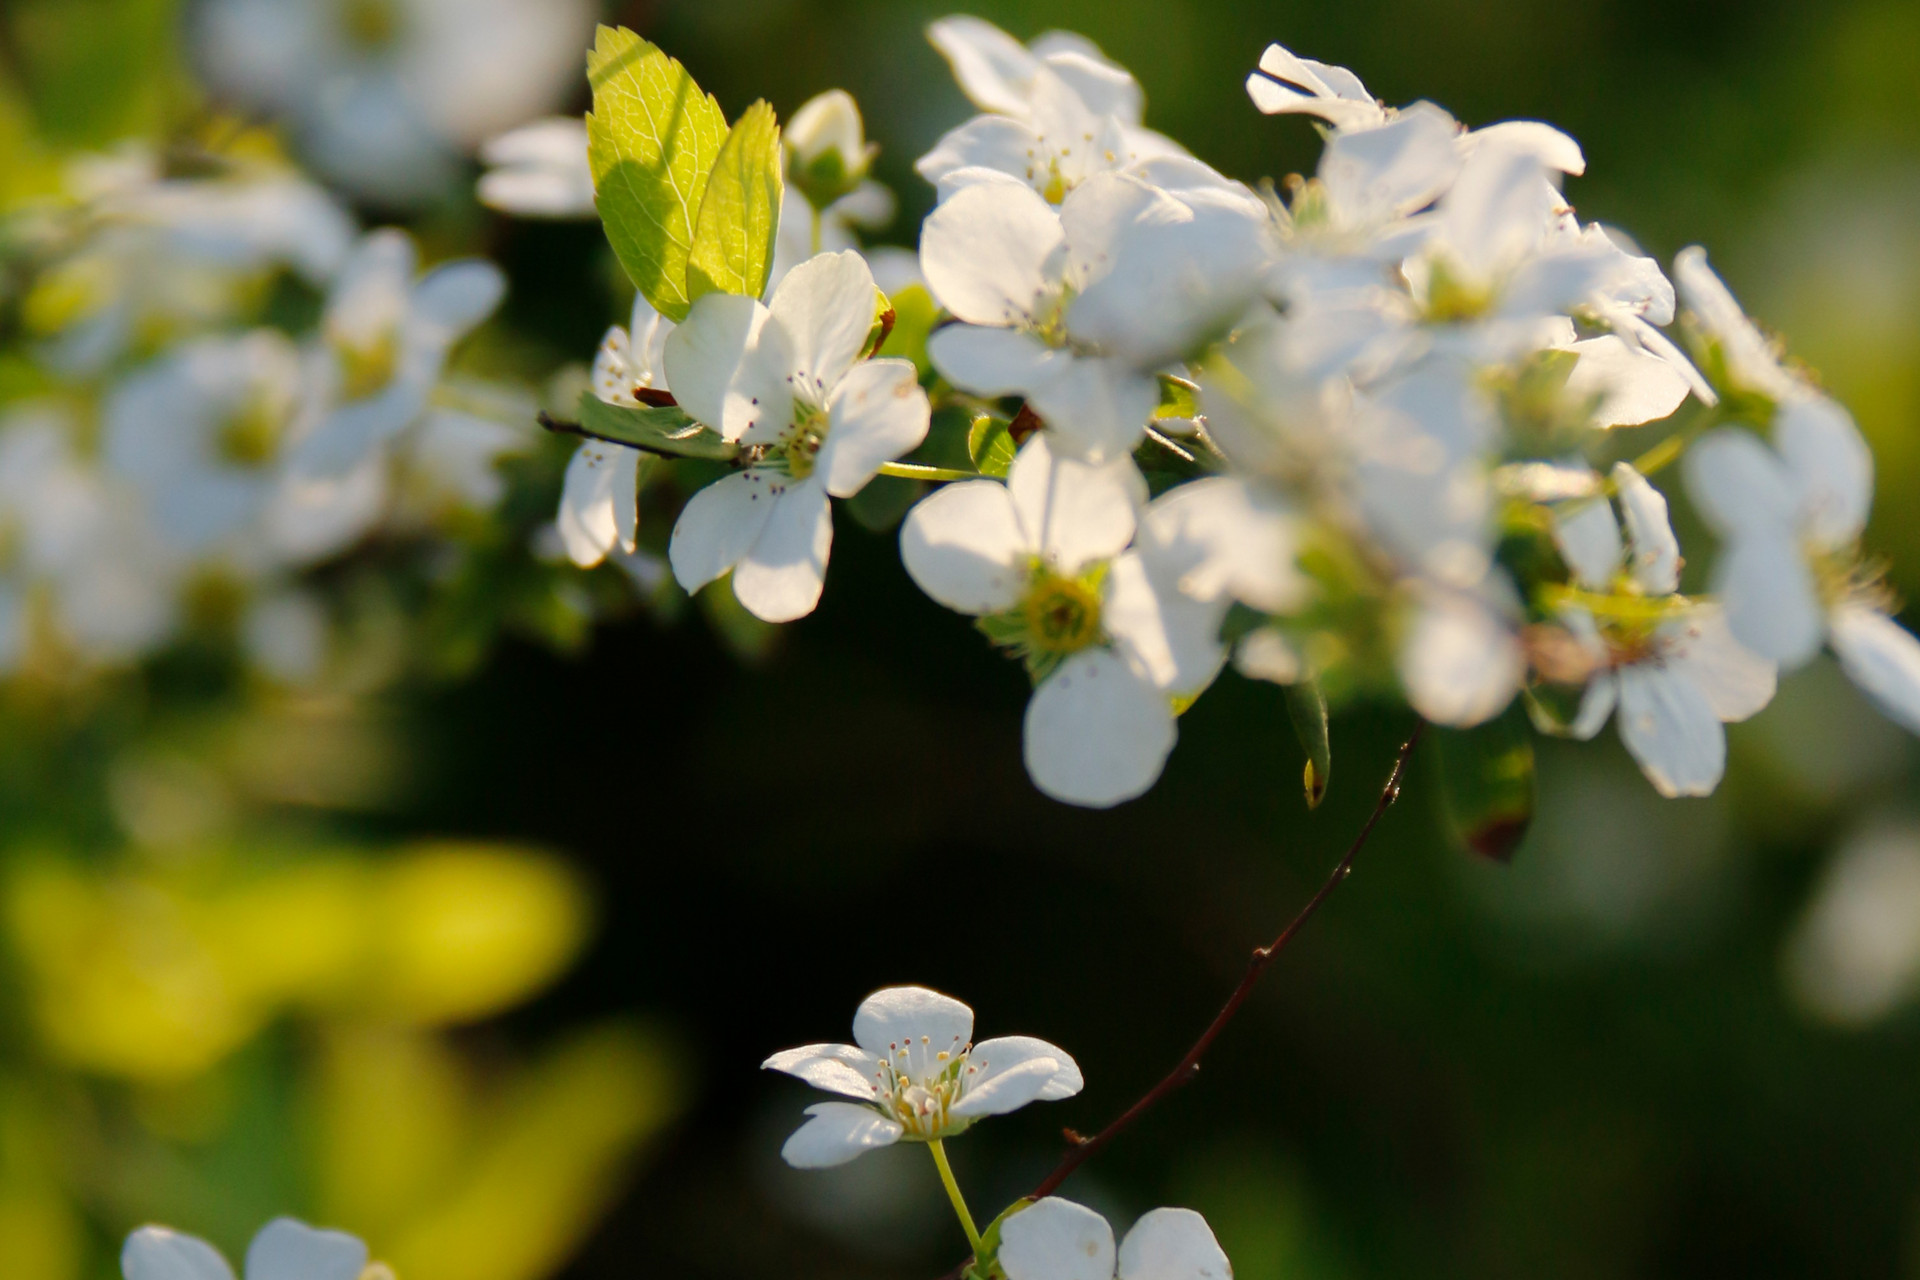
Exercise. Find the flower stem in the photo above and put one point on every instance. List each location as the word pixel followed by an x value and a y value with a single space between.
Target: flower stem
pixel 817 228
pixel 914 471
pixel 953 1194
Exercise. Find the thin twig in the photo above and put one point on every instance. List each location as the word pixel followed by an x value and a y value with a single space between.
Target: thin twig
pixel 1082 1149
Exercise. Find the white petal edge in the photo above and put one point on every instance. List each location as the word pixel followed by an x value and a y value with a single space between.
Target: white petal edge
pixel 781 577
pixel 719 526
pixel 833 1068
pixel 288 1250
pixel 837 1132
pixel 894 1016
pixel 1172 1244
pixel 1056 1239
pixel 963 546
pixel 1882 658
pixel 1005 1052
pixel 877 413
pixel 159 1253
pixel 1670 728
pixel 1097 731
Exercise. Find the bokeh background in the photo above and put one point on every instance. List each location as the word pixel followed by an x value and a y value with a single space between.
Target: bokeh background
pixel 479 960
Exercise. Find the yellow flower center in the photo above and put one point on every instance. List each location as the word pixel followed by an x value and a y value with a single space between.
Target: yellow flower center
pixel 367 368
pixel 1062 615
pixel 802 446
pixel 252 435
pixel 371 25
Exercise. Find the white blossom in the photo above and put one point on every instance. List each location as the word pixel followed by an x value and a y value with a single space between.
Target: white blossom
pixel 785 380
pixel 539 170
pixel 1078 308
pixel 599 503
pixel 283 1250
pixel 916 1076
pixel 385 95
pixel 1107 631
pixel 1675 674
pixel 1055 1239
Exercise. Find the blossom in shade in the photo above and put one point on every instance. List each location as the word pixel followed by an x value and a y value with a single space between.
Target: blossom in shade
pixel 1055 1239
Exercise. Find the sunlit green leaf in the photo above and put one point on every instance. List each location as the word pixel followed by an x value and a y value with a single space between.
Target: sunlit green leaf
pixel 990 445
pixel 652 140
pixel 740 212
pixel 1178 398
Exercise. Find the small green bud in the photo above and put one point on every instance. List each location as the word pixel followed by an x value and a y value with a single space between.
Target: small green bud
pixel 827 150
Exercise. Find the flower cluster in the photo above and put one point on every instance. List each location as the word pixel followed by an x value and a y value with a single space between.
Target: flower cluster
pixel 234 385
pixel 919 1077
pixel 1362 433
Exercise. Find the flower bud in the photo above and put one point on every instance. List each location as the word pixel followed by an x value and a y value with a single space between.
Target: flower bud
pixel 827 151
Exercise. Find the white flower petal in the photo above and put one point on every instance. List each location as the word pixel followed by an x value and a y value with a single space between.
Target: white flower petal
pixel 995 71
pixel 289 1250
pixel 894 1017
pixel 598 507
pixel 1376 175
pixel 1098 407
pixel 1097 731
pixel 1596 704
pixel 1656 552
pixel 1557 150
pixel 836 1068
pixel 1174 638
pixel 994 361
pixel 1882 658
pixel 985 253
pixel 719 525
pixel 1461 660
pixel 1737 682
pixel 1003 1053
pixel 827 306
pixel 836 1133
pixel 1670 728
pixel 1073 512
pixel 1633 386
pixel 1831 466
pixel 1739 484
pixel 1007 1090
pixel 1768 593
pixel 711 368
pixel 1750 359
pixel 1003 145
pixel 157 1253
pixel 877 413
pixel 780 579
pixel 1589 540
pixel 1056 1239
pixel 456 296
pixel 963 546
pixel 1172 1244
pixel 1228 538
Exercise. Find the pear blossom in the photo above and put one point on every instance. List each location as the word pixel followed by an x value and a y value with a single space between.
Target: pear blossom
pixel 1288 84
pixel 1675 673
pixel 284 1249
pixel 539 170
pixel 1057 112
pixel 386 336
pixel 203 434
pixel 1055 1239
pixel 827 150
pixel 785 380
pixel 1079 308
pixel 599 504
pixel 915 1075
pixel 384 96
pixel 1109 635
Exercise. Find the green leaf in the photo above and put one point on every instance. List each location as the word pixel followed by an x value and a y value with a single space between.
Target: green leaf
pixel 914 315
pixel 1307 708
pixel 1178 398
pixel 990 445
pixel 1487 783
pixel 669 431
pixel 740 213
pixel 652 140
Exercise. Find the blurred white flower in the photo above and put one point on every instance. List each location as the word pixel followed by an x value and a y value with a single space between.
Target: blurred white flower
pixel 917 1077
pixel 1055 1239
pixel 1108 634
pixel 786 381
pixel 1288 84
pixel 827 150
pixel 283 1250
pixel 539 170
pixel 385 338
pixel 1854 956
pixel 385 96
pixel 1675 675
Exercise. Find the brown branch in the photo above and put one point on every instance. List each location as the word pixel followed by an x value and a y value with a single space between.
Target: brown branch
pixel 1083 1149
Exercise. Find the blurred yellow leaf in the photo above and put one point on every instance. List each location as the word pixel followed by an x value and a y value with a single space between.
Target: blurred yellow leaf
pixel 548 1165
pixel 464 931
